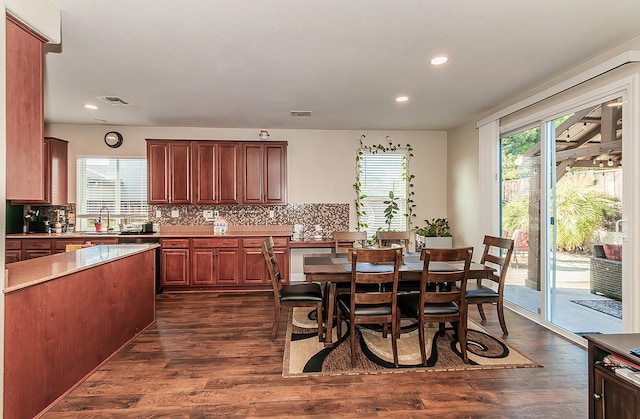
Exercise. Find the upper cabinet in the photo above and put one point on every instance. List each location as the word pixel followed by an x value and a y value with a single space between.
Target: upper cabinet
pixel 216 172
pixel 221 172
pixel 265 173
pixel 169 172
pixel 25 114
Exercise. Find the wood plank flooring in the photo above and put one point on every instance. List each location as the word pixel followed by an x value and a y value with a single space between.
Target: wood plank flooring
pixel 209 355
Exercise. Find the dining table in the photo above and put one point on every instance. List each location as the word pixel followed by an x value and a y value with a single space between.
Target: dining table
pixel 333 268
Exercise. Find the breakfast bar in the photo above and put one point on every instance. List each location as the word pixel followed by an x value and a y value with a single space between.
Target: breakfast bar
pixel 65 314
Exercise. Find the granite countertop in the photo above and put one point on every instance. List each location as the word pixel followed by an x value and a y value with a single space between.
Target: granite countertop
pixel 35 271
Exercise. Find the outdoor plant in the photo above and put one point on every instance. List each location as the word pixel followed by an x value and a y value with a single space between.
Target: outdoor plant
pixel 436 227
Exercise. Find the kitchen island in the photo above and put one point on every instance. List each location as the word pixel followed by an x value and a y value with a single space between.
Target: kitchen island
pixel 65 314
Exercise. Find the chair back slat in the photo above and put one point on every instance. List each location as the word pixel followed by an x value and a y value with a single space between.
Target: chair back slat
pixel 389 238
pixel 357 237
pixel 497 254
pixel 375 266
pixel 272 267
pixel 441 286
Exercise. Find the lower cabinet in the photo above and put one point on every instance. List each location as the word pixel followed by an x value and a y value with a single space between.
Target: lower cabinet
pixel 35 248
pixel 174 262
pixel 13 251
pixel 254 267
pixel 215 262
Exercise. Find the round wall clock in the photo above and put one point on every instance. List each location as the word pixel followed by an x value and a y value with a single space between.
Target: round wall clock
pixel 113 139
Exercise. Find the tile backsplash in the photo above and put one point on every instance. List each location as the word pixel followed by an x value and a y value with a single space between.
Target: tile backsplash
pixel 331 217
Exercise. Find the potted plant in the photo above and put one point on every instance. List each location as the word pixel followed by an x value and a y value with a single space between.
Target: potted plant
pixel 436 233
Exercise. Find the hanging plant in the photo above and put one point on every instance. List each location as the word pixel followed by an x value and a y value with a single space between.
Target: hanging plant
pixel 360 196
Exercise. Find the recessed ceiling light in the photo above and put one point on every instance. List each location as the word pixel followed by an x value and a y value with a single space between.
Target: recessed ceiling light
pixel 439 60
pixel 402 98
pixel 89 106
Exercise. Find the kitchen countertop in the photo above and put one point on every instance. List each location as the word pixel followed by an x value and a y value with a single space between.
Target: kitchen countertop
pixel 31 272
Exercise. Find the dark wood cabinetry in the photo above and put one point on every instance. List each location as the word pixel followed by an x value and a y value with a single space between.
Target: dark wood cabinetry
pixel 610 395
pixel 215 261
pixel 265 173
pixel 174 262
pixel 169 172
pixel 216 172
pixel 220 172
pixel 35 248
pixel 24 113
pixel 13 251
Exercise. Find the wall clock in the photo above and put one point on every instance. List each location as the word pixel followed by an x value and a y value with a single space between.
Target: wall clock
pixel 113 139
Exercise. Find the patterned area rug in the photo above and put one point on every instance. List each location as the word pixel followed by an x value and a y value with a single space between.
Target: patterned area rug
pixel 611 307
pixel 305 356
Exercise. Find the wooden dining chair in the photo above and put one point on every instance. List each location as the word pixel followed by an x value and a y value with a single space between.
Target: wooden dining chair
pixel 352 238
pixel 440 300
pixel 378 267
pixel 497 254
pixel 307 294
pixel 391 238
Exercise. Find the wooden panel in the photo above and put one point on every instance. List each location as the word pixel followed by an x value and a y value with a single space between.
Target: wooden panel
pixel 229 174
pixel 58 171
pixel 180 175
pixel 36 244
pixel 203 270
pixel 59 331
pixel 13 244
pixel 174 267
pixel 215 242
pixel 205 177
pixel 253 172
pixel 60 245
pixel 158 172
pixel 174 243
pixel 11 256
pixel 24 114
pixel 257 242
pixel 275 174
pixel 228 267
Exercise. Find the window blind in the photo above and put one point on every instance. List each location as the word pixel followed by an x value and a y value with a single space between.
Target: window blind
pixel 379 174
pixel 120 184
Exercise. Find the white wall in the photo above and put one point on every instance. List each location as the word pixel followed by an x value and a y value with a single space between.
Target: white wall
pixel 321 163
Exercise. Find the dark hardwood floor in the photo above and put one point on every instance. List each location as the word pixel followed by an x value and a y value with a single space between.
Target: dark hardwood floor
pixel 209 355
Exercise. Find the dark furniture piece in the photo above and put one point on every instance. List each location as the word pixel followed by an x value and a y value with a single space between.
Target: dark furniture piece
pixel 611 396
pixel 350 239
pixel 381 268
pixel 294 295
pixel 388 238
pixel 439 299
pixel 605 275
pixel 497 253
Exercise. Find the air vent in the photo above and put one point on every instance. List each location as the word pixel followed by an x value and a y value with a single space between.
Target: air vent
pixel 300 113
pixel 113 100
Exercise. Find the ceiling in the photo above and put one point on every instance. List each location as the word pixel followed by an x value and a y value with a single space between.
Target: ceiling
pixel 249 63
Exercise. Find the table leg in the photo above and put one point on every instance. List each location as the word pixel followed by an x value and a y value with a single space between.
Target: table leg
pixel 328 337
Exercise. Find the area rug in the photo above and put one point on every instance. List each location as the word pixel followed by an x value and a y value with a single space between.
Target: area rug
pixel 306 356
pixel 611 307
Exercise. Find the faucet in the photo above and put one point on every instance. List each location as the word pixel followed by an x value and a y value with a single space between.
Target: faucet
pixel 104 207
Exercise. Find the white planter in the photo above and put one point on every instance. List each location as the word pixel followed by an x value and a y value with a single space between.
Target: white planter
pixel 434 242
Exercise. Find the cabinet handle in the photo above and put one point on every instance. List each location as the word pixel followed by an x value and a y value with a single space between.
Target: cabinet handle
pixel 597 396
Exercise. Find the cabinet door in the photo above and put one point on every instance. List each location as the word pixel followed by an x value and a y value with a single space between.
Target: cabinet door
pixel 253 171
pixel 254 267
pixel 618 399
pixel 157 172
pixel 11 256
pixel 229 173
pixel 205 168
pixel 180 173
pixel 58 171
pixel 32 254
pixel 204 268
pixel 174 267
pixel 228 267
pixel 275 174
pixel 25 115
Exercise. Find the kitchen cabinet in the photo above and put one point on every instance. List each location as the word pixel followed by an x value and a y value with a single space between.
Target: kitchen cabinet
pixel 25 112
pixel 55 178
pixel 214 262
pixel 264 172
pixel 216 172
pixel 253 264
pixel 169 174
pixel 13 251
pixel 611 396
pixel 32 249
pixel 174 262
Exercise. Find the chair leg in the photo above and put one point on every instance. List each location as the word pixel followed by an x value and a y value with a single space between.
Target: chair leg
pixel 423 350
pixel 394 343
pixel 441 329
pixel 320 318
pixel 462 339
pixel 352 328
pixel 276 322
pixel 385 330
pixel 338 325
pixel 481 311
pixel 503 324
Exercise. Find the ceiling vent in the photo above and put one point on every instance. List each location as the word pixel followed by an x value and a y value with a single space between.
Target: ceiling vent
pixel 113 100
pixel 300 113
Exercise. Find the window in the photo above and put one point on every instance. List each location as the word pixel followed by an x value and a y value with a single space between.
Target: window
pixel 119 184
pixel 379 174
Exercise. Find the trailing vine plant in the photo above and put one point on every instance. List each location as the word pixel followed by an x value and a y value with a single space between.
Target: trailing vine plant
pixel 360 195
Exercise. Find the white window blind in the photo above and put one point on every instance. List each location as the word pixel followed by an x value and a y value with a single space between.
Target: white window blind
pixel 120 184
pixel 379 174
